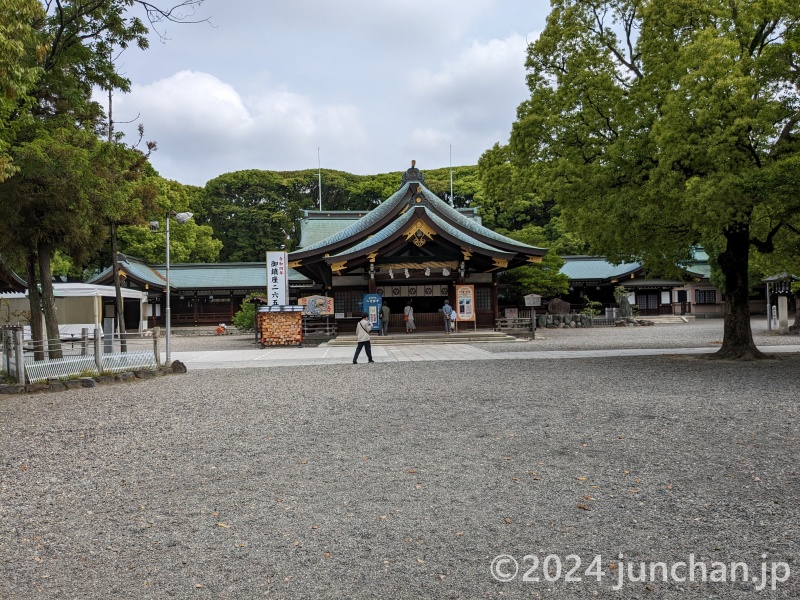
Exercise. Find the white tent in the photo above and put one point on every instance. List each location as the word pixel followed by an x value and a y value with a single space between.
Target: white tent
pixel 73 300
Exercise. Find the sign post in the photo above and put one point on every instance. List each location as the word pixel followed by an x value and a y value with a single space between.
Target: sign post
pixel 372 306
pixel 277 278
pixel 465 303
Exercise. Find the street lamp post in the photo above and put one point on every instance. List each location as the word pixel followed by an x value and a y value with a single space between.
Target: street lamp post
pixel 180 218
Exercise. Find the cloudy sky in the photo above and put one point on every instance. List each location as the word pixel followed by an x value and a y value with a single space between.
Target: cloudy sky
pixel 371 83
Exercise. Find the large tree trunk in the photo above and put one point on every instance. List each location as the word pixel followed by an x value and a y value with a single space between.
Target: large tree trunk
pixel 796 327
pixel 119 306
pixel 737 340
pixel 49 303
pixel 35 301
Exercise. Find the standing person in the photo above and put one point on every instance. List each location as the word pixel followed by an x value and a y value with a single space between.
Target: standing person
pixel 408 317
pixel 447 311
pixel 362 333
pixel 385 319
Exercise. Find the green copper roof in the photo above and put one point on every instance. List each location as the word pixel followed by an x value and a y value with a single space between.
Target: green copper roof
pixel 353 229
pixel 369 219
pixel 317 226
pixel 381 235
pixel 592 268
pixel 402 221
pixel 195 276
pixel 220 275
pixel 455 216
pixel 460 235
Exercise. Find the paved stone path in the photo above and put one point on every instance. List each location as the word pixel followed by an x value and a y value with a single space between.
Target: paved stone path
pixel 282 357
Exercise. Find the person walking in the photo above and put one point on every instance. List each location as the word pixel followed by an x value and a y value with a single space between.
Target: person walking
pixel 362 334
pixel 385 319
pixel 447 312
pixel 408 317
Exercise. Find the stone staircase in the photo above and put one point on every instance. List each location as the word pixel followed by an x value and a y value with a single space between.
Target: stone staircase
pixel 395 339
pixel 669 319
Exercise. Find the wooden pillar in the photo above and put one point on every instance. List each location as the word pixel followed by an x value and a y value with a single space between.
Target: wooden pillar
pixel 495 301
pixel 230 307
pixel 194 306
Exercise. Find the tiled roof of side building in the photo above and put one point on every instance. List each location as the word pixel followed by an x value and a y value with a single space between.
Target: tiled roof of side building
pixel 312 232
pixel 221 275
pixel 594 268
pixel 194 276
pixel 136 267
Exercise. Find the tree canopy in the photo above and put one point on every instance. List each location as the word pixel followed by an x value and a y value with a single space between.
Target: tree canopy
pixel 656 126
pixel 254 211
pixel 22 50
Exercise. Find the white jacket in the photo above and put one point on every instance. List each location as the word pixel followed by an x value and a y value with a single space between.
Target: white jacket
pixel 363 327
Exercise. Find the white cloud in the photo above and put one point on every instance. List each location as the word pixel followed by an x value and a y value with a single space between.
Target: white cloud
pixel 372 84
pixel 199 120
pixel 486 79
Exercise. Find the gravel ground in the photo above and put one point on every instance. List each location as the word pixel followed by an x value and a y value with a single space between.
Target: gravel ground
pixel 404 480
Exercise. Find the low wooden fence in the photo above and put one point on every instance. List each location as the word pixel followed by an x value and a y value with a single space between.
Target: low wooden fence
pixel 516 325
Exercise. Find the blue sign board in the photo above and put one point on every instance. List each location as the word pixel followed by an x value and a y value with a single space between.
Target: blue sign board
pixel 372 306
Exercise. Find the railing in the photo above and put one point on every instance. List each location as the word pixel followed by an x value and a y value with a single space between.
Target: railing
pixel 87 355
pixel 514 323
pixel 319 327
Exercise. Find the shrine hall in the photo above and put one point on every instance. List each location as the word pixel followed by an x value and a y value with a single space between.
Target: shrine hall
pixel 413 246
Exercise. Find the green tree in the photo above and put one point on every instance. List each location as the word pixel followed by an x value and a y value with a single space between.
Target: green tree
pixel 656 126
pixel 544 278
pixel 191 242
pixel 252 212
pixel 22 50
pixel 49 205
pixel 54 201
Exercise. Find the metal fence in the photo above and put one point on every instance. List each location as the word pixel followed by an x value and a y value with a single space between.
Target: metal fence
pixel 91 354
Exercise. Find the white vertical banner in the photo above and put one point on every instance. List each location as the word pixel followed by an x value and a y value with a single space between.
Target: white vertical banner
pixel 277 278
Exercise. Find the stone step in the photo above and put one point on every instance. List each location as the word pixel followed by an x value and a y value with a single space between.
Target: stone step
pixel 394 339
pixel 668 319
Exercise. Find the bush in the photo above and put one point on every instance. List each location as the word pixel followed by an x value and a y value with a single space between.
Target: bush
pixel 245 318
pixel 592 307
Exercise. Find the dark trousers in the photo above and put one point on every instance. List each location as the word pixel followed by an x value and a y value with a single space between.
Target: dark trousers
pixel 367 346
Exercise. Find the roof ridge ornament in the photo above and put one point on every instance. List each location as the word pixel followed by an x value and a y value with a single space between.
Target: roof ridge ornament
pixel 413 174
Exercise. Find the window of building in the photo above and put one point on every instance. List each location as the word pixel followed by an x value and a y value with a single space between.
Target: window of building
pixel 347 301
pixel 483 298
pixel 705 296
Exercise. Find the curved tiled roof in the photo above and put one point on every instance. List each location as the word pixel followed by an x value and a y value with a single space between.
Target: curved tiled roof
pixel 381 235
pixel 363 223
pixel 457 233
pixel 456 217
pixel 403 220
pixel 446 217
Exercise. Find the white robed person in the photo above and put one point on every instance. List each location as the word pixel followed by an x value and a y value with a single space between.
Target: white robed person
pixel 408 317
